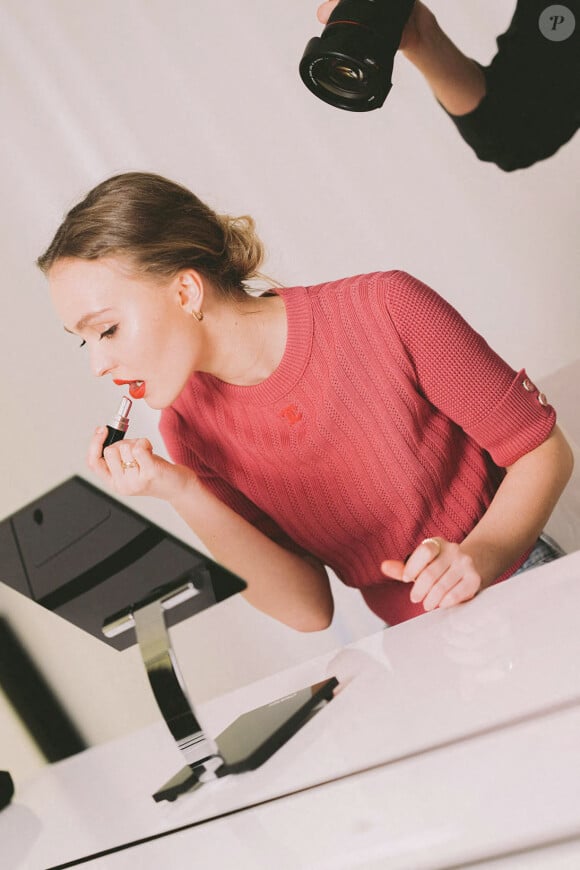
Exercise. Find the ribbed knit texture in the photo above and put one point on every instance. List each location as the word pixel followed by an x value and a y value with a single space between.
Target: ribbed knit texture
pixel 384 423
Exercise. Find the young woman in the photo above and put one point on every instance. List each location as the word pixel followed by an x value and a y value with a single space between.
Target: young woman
pixel 359 424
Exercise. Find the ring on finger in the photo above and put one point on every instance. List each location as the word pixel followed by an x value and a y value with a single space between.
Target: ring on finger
pixel 435 541
pixel 132 464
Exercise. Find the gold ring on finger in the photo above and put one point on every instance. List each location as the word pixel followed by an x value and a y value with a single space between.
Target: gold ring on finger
pixel 435 541
pixel 132 464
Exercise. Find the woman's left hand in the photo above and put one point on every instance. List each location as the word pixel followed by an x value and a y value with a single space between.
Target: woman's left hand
pixel 441 573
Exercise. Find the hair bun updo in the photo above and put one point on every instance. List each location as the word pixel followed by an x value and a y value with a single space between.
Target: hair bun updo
pixel 243 251
pixel 160 227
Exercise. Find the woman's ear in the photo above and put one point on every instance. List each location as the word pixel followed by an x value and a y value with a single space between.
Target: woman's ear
pixel 190 288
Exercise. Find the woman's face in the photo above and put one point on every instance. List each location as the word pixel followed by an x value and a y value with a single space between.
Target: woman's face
pixel 136 330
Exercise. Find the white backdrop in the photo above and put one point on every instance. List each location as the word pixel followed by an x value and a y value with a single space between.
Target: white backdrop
pixel 209 95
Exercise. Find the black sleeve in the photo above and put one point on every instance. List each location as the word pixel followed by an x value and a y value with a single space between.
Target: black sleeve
pixel 532 104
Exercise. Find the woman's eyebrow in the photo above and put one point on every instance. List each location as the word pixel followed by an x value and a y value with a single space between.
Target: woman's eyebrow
pixel 86 319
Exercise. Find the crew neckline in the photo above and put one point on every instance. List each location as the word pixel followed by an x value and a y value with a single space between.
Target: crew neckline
pixel 294 359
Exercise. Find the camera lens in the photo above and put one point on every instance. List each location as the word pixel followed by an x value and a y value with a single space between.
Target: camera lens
pixel 350 64
pixel 343 78
pixel 350 77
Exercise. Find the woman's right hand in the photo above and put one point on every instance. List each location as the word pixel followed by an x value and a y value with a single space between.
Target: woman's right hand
pixel 130 467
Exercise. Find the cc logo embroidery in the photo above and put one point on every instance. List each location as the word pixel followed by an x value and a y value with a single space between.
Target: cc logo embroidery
pixel 291 414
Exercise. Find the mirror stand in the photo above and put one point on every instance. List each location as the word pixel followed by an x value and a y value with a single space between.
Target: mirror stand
pixel 245 744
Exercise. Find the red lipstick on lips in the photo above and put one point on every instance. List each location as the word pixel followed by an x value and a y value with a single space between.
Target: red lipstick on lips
pixel 136 388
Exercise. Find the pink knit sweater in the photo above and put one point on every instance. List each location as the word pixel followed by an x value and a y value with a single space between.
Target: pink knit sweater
pixel 388 420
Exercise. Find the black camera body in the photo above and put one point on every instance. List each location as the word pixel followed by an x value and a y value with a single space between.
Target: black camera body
pixel 351 63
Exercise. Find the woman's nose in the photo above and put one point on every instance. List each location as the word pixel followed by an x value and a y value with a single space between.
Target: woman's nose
pixel 101 362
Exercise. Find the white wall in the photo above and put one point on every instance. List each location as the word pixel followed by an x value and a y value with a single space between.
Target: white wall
pixel 210 96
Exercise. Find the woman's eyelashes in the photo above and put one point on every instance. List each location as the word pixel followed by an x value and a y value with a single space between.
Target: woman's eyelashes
pixel 108 333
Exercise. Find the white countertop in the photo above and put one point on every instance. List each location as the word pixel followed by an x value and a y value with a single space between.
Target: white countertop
pixel 501 794
pixel 466 721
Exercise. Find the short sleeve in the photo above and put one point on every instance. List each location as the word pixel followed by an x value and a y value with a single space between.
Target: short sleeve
pixel 459 373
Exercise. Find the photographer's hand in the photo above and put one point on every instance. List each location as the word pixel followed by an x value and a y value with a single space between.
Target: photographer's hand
pixel 456 81
pixel 419 20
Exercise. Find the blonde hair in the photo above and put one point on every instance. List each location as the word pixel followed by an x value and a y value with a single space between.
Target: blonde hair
pixel 161 227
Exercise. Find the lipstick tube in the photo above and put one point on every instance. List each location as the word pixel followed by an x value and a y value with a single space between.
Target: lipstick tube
pixel 119 424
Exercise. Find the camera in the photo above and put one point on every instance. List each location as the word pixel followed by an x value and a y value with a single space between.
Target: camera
pixel 350 64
